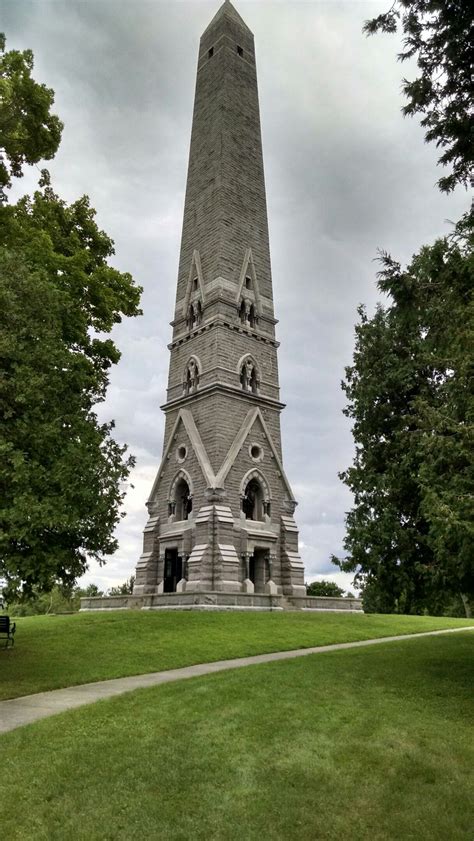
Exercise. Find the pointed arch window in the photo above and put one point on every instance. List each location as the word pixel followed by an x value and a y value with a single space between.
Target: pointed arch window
pixel 252 501
pixel 183 500
pixel 180 505
pixel 256 498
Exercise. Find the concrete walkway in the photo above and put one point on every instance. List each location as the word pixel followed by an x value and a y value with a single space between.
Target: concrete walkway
pixel 19 711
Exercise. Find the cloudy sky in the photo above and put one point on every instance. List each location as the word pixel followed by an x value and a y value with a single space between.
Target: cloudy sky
pixel 345 173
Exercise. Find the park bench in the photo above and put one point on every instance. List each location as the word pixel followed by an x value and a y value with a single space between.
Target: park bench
pixel 7 630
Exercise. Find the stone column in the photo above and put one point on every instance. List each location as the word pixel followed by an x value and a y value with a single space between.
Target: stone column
pixel 247 584
pixel 181 584
pixel 270 587
pixel 161 572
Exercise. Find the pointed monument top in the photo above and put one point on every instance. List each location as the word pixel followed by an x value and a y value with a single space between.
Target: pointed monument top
pixel 227 10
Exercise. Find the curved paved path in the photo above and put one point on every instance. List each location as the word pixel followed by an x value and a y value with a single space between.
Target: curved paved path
pixel 19 711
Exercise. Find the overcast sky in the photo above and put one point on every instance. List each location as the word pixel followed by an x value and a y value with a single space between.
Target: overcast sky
pixel 345 174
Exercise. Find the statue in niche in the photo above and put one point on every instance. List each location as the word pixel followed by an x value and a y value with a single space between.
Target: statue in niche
pixel 192 377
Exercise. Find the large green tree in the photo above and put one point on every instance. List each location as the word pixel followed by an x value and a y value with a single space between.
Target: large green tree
pixel 28 131
pixel 62 474
pixel 410 533
pixel 438 34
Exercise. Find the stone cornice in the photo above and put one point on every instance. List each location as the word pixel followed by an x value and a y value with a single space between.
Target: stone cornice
pixel 231 391
pixel 220 322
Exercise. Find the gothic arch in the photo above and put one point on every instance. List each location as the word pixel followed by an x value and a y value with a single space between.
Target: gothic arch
pixel 195 272
pixel 257 474
pixel 248 270
pixel 255 496
pixel 180 499
pixel 181 474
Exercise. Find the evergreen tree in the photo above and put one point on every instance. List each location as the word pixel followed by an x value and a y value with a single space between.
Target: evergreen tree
pixel 439 35
pixel 410 533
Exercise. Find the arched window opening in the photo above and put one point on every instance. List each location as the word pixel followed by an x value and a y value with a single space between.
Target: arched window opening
pixel 183 502
pixel 253 504
pixel 248 377
pixel 191 378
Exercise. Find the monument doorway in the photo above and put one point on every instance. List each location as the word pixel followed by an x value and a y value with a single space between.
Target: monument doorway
pixel 173 570
pixel 258 569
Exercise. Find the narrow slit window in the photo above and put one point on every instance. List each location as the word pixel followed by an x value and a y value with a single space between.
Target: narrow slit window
pixel 210 52
pixel 240 51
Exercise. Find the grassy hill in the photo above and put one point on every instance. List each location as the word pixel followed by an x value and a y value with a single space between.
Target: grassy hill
pixel 55 651
pixel 372 744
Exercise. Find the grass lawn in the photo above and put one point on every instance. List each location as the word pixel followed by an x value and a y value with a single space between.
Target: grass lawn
pixel 374 743
pixel 55 651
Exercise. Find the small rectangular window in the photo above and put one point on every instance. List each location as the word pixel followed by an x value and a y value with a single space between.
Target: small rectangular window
pixel 210 52
pixel 248 282
pixel 240 50
pixel 195 283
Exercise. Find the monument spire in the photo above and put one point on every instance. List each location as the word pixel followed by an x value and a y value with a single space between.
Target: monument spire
pixel 221 508
pixel 225 203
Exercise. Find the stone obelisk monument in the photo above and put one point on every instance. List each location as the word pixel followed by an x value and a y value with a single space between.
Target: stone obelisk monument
pixel 221 508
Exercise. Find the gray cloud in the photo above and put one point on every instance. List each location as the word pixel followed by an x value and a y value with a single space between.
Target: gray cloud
pixel 345 174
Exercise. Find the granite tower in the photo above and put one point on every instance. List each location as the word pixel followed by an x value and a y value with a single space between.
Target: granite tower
pixel 221 508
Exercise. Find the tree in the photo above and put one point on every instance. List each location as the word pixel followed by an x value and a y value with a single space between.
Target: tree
pixel 28 131
pixel 57 600
pixel 62 474
pixel 123 589
pixel 410 534
pixel 324 588
pixel 438 33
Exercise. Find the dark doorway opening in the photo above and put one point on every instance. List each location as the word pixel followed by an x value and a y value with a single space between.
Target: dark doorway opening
pixel 258 569
pixel 173 571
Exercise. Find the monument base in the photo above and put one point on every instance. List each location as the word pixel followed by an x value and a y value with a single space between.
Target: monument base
pixel 212 600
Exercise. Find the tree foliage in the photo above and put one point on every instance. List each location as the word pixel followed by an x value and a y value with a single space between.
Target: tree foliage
pixel 123 589
pixel 410 533
pixel 28 131
pixel 439 35
pixel 324 588
pixel 62 474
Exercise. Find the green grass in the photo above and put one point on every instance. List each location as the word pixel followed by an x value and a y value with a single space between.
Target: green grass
pixel 56 651
pixel 375 743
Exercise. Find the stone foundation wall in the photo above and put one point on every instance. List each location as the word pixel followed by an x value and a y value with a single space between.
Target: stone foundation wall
pixel 220 601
